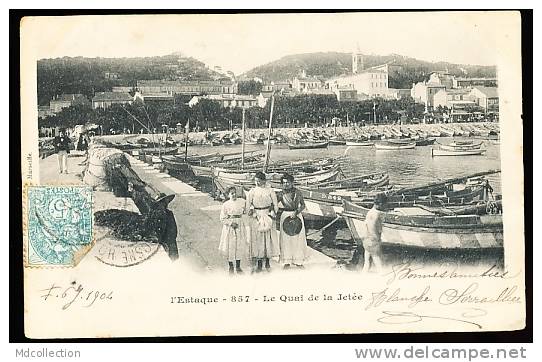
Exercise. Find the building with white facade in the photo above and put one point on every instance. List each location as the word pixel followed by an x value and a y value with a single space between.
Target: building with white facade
pixel 306 84
pixel 107 99
pixel 486 97
pixel 447 97
pixel 231 100
pixel 369 82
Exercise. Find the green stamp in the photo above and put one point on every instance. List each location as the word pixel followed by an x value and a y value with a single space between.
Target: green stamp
pixel 59 224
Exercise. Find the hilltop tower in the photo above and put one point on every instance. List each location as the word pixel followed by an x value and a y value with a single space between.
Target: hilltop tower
pixel 357 61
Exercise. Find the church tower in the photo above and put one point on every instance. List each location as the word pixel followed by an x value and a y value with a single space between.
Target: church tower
pixel 357 62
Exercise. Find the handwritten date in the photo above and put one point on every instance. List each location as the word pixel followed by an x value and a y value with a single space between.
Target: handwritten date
pixel 75 294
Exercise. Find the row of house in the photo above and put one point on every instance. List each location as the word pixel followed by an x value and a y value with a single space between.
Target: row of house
pixel 103 100
pixel 442 89
pixel 445 90
pixel 100 100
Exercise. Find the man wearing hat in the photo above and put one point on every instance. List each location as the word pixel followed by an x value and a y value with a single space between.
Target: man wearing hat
pixel 372 242
pixel 292 239
pixel 62 148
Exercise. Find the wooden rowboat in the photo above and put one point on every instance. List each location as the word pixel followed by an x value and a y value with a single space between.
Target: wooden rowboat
pixel 307 145
pixel 300 178
pixel 159 150
pixel 429 231
pixel 391 146
pixel 460 146
pixel 359 143
pixel 400 141
pixel 443 152
pixel 425 141
pixel 337 141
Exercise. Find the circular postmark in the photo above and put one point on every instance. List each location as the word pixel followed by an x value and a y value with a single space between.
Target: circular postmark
pixel 122 253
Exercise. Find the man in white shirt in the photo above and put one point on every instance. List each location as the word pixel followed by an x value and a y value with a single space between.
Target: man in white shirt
pixel 372 242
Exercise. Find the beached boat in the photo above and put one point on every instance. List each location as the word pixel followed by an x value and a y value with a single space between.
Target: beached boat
pixel 394 146
pixel 307 145
pixel 456 152
pixel 446 132
pixel 416 227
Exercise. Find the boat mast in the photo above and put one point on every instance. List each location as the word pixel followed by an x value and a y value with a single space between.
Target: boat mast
pixel 243 143
pixel 268 149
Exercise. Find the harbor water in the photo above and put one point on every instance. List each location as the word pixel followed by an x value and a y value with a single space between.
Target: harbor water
pixel 405 167
pixel 408 167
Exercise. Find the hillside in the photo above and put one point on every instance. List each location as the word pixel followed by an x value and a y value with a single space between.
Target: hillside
pixel 88 75
pixel 330 64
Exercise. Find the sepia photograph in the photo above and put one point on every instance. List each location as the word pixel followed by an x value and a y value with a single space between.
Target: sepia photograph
pixel 278 166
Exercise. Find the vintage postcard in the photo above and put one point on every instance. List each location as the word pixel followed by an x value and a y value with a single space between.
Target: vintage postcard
pixel 257 174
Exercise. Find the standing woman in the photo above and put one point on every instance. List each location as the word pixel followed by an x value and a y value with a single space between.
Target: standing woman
pixel 262 205
pixel 293 241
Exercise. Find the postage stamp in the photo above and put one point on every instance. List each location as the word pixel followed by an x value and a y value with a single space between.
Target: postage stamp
pixel 59 225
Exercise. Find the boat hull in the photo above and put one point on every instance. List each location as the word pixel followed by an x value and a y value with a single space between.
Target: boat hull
pixel 359 144
pixel 443 152
pixel 307 146
pixel 387 146
pixel 425 142
pixel 430 232
pixel 337 142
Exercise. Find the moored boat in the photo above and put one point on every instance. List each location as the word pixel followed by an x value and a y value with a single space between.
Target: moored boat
pixel 160 150
pixel 244 181
pixel 307 145
pixel 425 141
pixel 456 152
pixel 423 229
pixel 394 146
pixel 356 143
pixel 337 141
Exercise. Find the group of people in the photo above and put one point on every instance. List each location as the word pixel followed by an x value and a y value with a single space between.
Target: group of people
pixel 269 224
pixel 265 225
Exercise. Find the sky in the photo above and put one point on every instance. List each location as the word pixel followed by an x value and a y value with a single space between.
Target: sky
pixel 239 42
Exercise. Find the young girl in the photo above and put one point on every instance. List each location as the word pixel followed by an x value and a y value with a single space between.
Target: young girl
pixel 233 240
